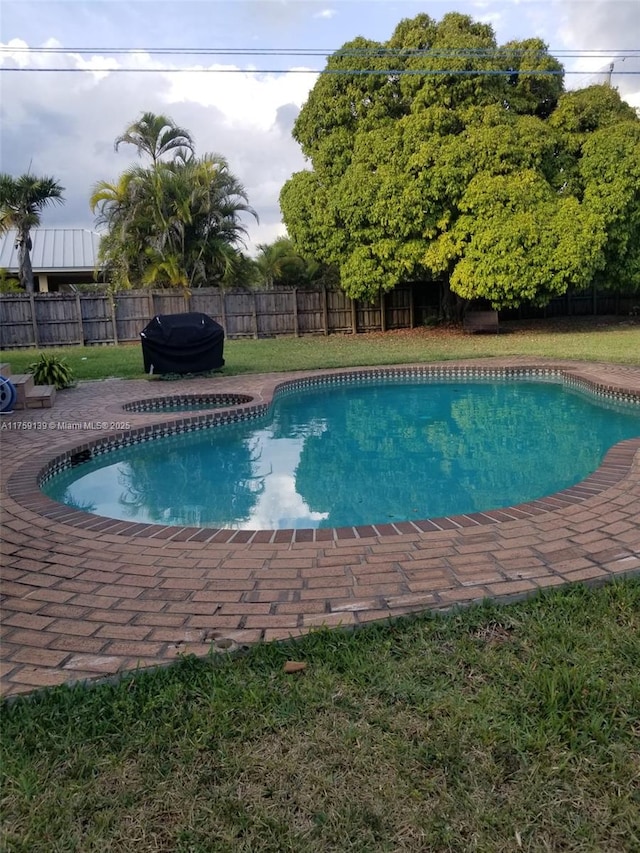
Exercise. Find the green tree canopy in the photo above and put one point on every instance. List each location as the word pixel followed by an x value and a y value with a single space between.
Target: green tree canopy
pixel 22 201
pixel 601 166
pixel 176 222
pixel 441 156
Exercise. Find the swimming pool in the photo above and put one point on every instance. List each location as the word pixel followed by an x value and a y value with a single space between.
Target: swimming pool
pixel 363 452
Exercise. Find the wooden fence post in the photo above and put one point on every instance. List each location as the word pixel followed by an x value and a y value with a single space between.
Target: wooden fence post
pixel 114 325
pixel 383 319
pixel 79 318
pixel 325 310
pixel 296 328
pixel 412 319
pixel 34 322
pixel 354 317
pixel 223 310
pixel 255 315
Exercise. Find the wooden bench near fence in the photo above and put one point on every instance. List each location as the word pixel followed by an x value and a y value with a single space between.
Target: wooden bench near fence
pixel 481 321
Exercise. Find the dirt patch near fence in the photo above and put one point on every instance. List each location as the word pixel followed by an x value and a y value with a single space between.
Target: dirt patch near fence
pixel 547 326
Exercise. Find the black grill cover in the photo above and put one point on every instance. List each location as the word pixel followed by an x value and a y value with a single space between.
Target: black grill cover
pixel 182 343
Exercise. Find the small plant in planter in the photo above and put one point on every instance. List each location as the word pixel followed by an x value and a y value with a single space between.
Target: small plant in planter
pixel 51 370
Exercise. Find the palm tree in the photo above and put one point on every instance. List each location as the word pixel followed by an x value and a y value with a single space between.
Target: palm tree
pixel 164 269
pixel 123 209
pixel 216 199
pixel 157 135
pixel 279 262
pixel 22 201
pixel 175 223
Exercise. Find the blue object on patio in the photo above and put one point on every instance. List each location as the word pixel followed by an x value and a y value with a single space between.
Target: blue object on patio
pixel 7 395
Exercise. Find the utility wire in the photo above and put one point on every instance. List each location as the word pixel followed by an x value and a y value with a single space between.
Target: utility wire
pixel 497 53
pixel 351 51
pixel 343 72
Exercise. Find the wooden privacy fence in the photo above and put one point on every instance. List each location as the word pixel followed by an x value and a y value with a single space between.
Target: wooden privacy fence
pixel 63 319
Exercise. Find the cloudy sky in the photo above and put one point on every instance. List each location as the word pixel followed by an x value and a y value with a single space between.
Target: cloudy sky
pixel 234 101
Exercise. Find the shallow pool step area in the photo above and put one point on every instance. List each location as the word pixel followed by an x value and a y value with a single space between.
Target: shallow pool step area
pixel 28 395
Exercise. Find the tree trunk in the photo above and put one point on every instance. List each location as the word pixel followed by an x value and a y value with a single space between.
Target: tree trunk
pixel 23 244
pixel 451 305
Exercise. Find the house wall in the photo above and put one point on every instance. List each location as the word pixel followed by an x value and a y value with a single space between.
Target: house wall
pixel 63 282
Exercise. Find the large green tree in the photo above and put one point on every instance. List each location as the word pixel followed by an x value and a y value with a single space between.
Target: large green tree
pixel 176 222
pixel 601 152
pixel 22 201
pixel 441 156
pixel 610 169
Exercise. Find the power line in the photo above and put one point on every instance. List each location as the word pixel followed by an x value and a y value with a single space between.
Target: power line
pixel 402 54
pixel 342 72
pixel 363 52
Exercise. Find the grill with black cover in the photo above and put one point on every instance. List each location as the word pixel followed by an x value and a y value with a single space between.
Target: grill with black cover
pixel 182 343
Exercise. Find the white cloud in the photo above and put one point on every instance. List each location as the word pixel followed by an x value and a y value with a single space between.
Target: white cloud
pixel 493 18
pixel 327 14
pixel 64 123
pixel 610 27
pixel 16 53
pixel 246 99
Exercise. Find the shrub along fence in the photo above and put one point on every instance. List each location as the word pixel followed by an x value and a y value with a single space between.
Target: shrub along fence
pixel 64 319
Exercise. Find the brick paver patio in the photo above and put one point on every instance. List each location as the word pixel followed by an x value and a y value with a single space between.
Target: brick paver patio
pixel 85 597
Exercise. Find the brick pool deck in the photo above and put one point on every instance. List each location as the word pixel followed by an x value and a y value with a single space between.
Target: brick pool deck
pixel 85 597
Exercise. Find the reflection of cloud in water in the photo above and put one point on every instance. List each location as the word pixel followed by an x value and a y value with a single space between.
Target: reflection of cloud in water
pixel 102 489
pixel 274 462
pixel 280 505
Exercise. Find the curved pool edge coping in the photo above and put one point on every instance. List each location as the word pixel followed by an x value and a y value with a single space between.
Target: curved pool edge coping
pixel 24 484
pixel 163 405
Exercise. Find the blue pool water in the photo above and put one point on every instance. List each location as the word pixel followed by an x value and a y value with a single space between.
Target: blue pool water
pixel 369 454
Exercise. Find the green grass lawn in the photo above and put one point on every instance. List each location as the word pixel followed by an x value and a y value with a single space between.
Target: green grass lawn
pixel 602 339
pixel 498 728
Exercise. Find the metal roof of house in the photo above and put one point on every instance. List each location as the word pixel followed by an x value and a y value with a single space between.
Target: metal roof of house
pixel 54 250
